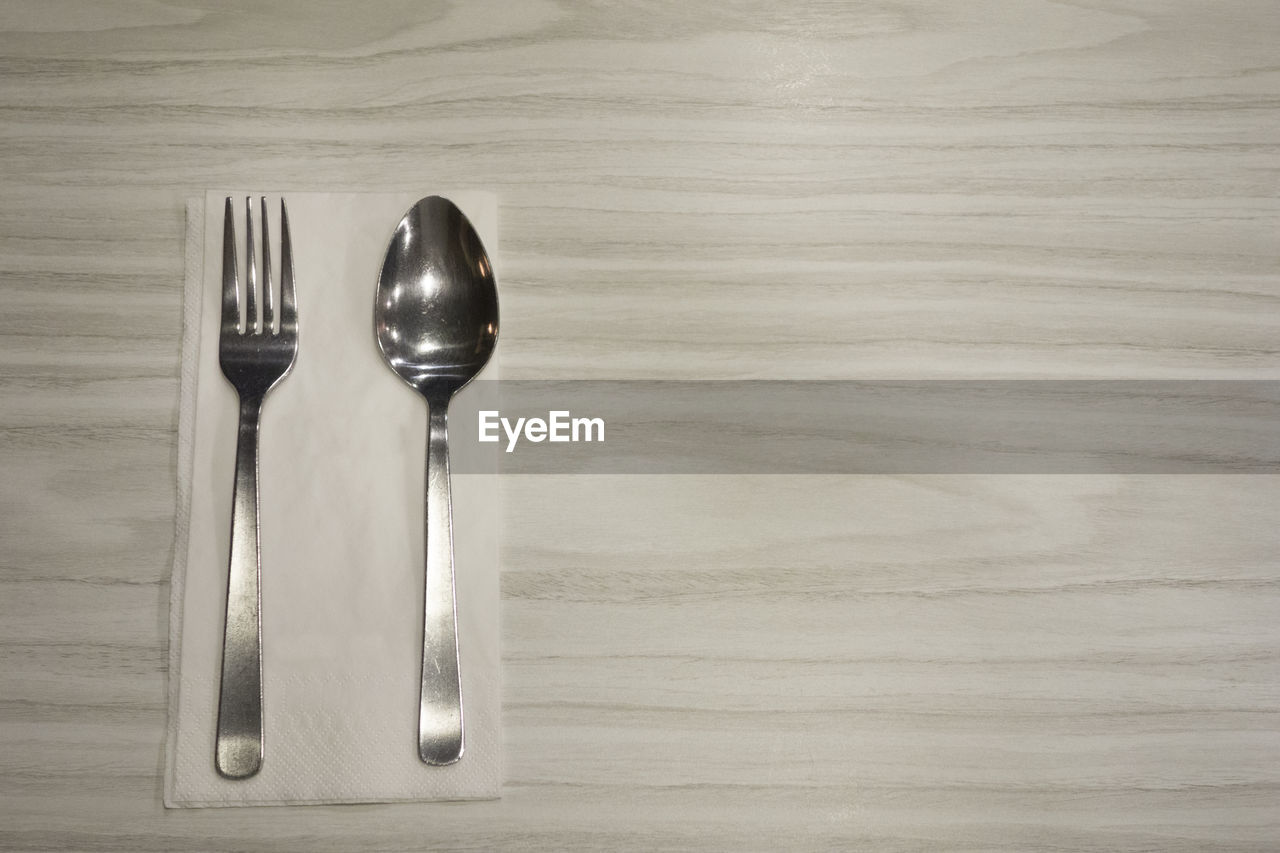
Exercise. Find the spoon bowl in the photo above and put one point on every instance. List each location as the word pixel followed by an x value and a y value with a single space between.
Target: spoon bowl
pixel 436 322
pixel 436 318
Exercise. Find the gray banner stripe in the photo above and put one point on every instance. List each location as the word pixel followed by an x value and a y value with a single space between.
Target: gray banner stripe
pixel 877 427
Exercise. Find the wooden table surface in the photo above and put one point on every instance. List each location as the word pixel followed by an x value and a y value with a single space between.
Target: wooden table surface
pixel 751 189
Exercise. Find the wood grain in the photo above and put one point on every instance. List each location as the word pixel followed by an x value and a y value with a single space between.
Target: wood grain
pixel 902 189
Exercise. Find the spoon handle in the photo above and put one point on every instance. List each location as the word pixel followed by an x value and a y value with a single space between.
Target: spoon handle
pixel 440 708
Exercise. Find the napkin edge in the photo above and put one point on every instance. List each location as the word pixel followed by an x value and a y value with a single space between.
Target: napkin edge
pixel 192 271
pixel 246 804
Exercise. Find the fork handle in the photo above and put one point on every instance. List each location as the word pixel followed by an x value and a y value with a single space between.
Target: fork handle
pixel 440 707
pixel 239 745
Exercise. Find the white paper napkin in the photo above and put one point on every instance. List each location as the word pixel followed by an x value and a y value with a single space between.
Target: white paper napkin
pixel 343 445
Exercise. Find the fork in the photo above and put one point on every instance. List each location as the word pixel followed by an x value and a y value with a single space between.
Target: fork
pixel 254 355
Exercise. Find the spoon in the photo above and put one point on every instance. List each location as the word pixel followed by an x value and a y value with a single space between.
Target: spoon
pixel 436 321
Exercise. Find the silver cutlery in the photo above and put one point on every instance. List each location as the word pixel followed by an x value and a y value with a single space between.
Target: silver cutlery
pixel 255 354
pixel 436 323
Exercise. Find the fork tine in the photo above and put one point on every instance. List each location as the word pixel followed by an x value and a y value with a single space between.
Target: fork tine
pixel 288 301
pixel 268 312
pixel 250 304
pixel 230 274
